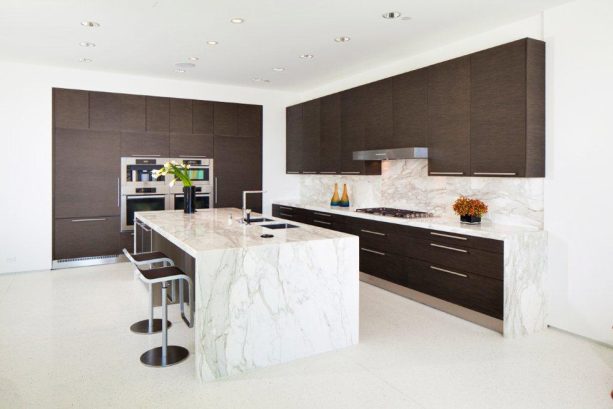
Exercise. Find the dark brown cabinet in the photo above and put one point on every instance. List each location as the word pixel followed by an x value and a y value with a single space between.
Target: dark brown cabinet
pixel 352 129
pixel 191 145
pixel 70 109
pixel 203 117
pixel 449 118
pixel 181 120
pixel 249 121
pixel 507 116
pixel 378 115
pixel 293 139
pixel 144 144
pixel 225 119
pixel 86 237
pixel 410 105
pixel 238 167
pixel 158 114
pixel 104 111
pixel 310 136
pixel 86 173
pixel 330 134
pixel 133 113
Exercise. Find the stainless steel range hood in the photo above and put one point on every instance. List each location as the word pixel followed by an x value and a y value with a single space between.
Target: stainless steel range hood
pixel 392 154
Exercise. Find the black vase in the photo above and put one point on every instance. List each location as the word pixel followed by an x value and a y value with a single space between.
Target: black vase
pixel 189 199
pixel 468 219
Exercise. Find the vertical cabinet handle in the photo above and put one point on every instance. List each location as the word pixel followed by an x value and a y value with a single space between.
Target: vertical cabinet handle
pixel 215 189
pixel 118 193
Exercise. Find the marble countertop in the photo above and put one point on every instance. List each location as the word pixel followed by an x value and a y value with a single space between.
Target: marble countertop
pixel 486 229
pixel 219 229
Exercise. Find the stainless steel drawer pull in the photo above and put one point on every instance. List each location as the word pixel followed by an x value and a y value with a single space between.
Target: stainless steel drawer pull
pixel 350 173
pixel 372 251
pixel 495 173
pixel 286 215
pixel 328 173
pixel 102 219
pixel 304 172
pixel 322 214
pixel 216 190
pixel 293 173
pixel 449 248
pixel 449 271
pixel 285 208
pixel 145 156
pixel 193 156
pixel 376 233
pixel 118 193
pixel 446 173
pixel 447 235
pixel 321 222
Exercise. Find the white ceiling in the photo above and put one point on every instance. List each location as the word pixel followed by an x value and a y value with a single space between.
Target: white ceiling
pixel 147 37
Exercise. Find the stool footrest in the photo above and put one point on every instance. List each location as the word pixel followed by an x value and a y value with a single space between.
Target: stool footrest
pixel 142 327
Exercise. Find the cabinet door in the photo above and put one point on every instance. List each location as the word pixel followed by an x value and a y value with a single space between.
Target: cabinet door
pixel 203 117
pixel 86 173
pixel 293 139
pixel 378 115
pixel 70 108
pixel 181 115
pixel 158 114
pixel 85 237
pixel 330 137
pixel 449 118
pixel 225 119
pixel 238 167
pixel 126 241
pixel 191 145
pixel 133 113
pixel 104 111
pixel 310 136
pixel 352 129
pixel 144 144
pixel 498 110
pixel 249 119
pixel 410 92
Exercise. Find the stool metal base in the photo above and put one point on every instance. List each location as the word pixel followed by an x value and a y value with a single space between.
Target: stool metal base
pixel 174 355
pixel 142 327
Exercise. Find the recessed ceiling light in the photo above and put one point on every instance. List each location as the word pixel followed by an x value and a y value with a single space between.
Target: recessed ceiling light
pixel 257 79
pixel 184 65
pixel 179 70
pixel 307 56
pixel 90 24
pixel 278 69
pixel 390 15
pixel 237 20
pixel 342 39
pixel 86 44
pixel 86 60
pixel 212 42
pixel 193 58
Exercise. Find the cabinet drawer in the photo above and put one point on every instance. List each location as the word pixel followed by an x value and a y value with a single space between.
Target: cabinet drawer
pixel 383 265
pixel 455 239
pixel 460 287
pixel 86 237
pixel 288 212
pixel 126 241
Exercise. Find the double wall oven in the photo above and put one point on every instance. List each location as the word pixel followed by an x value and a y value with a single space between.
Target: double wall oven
pixel 140 191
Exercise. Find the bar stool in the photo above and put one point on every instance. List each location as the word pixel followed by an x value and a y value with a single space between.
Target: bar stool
pixel 168 355
pixel 150 325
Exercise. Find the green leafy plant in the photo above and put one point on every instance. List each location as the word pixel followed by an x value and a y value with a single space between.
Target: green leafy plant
pixel 179 171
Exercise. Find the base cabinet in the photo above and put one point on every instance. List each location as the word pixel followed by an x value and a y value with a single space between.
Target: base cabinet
pixel 86 237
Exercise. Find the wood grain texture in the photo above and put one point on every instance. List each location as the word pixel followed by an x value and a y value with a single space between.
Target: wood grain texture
pixel 70 108
pixel 145 144
pixel 181 115
pixel 249 121
pixel 185 144
pixel 225 119
pixel 410 102
pixel 86 239
pixel 378 115
pixel 293 138
pixel 202 117
pixel 449 116
pixel 535 109
pixel 353 128
pixel 133 113
pixel 330 136
pixel 104 111
pixel 311 132
pixel 158 114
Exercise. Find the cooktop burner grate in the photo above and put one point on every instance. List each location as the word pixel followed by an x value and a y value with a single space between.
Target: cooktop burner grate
pixel 391 212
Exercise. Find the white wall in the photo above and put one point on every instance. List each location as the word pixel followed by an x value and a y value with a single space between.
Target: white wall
pixel 578 187
pixel 25 145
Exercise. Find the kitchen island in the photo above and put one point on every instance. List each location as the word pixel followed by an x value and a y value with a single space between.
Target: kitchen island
pixel 263 301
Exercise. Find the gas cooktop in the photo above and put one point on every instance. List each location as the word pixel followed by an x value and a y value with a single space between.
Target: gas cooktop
pixel 401 213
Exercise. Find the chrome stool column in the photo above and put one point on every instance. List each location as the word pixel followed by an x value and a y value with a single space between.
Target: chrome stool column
pixel 150 325
pixel 168 355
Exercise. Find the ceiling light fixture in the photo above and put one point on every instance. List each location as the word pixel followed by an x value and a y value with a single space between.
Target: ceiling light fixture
pixel 257 79
pixel 184 65
pixel 278 69
pixel 212 42
pixel 406 18
pixel 86 44
pixel 342 39
pixel 307 56
pixel 179 70
pixel 85 60
pixel 90 24
pixel 193 58
pixel 391 15
pixel 237 20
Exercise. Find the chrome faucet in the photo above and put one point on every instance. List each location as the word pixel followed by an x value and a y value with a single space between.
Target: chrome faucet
pixel 245 192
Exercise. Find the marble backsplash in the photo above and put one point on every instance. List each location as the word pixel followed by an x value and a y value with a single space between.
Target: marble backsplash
pixel 406 184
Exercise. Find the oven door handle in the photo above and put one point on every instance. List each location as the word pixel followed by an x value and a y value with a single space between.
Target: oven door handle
pixel 136 197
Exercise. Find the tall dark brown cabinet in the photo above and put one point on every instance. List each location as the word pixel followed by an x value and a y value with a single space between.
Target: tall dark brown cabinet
pixel 93 130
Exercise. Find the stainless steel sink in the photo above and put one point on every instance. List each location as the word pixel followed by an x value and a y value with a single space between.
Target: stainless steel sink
pixel 259 220
pixel 279 226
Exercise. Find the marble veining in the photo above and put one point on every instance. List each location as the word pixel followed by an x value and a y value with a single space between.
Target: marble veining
pixel 406 184
pixel 261 302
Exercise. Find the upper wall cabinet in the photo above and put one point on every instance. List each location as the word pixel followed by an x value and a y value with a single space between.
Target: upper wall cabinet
pixel 293 139
pixel 378 115
pixel 203 117
pixel 158 114
pixel 70 108
pixel 330 134
pixel 507 117
pixel 410 105
pixel 249 121
pixel 104 111
pixel 181 120
pixel 310 136
pixel 133 113
pixel 448 121
pixel 226 119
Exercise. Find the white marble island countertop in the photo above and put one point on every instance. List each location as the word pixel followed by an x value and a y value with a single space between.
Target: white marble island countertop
pixel 263 301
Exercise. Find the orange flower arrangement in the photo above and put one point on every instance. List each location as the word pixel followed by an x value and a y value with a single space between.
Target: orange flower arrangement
pixel 465 206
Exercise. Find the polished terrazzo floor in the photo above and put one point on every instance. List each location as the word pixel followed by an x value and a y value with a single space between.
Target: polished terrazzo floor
pixel 65 343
